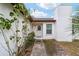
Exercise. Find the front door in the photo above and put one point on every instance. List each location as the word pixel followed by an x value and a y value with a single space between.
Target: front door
pixel 39 32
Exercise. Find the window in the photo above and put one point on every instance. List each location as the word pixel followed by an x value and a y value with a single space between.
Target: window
pixel 49 29
pixel 39 28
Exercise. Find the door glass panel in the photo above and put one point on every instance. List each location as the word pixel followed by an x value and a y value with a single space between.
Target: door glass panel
pixel 39 28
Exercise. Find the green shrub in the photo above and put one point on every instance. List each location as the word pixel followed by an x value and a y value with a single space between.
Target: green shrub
pixel 30 40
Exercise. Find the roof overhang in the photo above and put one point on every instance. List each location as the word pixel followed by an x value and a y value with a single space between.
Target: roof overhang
pixel 43 20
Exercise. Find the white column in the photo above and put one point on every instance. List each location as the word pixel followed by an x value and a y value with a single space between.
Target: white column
pixel 63 23
pixel 44 30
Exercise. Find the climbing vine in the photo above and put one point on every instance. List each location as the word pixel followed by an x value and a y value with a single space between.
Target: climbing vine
pixel 5 23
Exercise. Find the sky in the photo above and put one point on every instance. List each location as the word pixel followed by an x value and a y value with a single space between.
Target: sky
pixel 45 10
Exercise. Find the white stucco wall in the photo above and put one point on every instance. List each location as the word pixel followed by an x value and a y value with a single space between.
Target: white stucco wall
pixel 63 25
pixel 5 10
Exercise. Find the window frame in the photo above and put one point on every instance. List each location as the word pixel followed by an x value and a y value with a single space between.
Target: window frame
pixel 48 30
